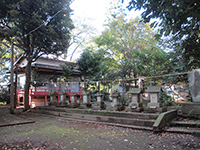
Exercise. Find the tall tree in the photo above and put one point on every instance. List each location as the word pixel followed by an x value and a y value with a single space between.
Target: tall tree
pixel 37 27
pixel 180 20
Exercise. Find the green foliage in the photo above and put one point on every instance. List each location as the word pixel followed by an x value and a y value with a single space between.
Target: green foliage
pixel 37 81
pixel 180 20
pixel 130 49
pixel 166 99
pixel 68 69
pixel 89 64
pixel 53 93
pixel 22 17
pixel 4 95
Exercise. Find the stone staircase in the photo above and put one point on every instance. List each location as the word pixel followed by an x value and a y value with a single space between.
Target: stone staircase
pixel 185 126
pixel 134 120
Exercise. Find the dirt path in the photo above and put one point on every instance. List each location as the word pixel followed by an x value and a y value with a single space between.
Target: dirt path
pixel 56 133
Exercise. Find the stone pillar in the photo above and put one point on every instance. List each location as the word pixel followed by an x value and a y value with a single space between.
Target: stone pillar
pixel 63 99
pixel 85 97
pixel 135 105
pixel 155 104
pixel 99 97
pixel 73 98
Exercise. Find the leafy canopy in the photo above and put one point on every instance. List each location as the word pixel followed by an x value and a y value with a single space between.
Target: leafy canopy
pixel 180 19
pixel 37 27
pixel 131 48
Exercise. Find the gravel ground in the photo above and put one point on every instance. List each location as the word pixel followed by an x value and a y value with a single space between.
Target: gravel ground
pixel 57 133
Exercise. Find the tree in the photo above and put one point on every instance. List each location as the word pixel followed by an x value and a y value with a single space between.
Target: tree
pixel 68 69
pixel 180 20
pixel 88 64
pixel 79 36
pixel 38 28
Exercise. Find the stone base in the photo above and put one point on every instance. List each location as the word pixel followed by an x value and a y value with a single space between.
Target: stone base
pixel 82 106
pixel 155 109
pixel 134 107
pixel 73 105
pixel 191 109
pixel 96 105
pixel 54 103
pixel 154 105
pixel 63 104
pixel 111 108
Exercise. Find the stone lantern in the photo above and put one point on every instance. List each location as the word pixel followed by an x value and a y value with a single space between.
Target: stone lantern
pixel 115 96
pixel 63 98
pixel 135 105
pixel 53 98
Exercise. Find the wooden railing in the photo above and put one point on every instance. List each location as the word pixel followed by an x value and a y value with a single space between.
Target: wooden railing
pixel 45 92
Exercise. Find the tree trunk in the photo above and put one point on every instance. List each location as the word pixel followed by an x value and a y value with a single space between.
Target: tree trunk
pixel 123 89
pixel 27 86
pixel 84 83
pixel 11 81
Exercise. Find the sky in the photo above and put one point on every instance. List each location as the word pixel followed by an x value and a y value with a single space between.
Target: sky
pixel 93 13
pixel 95 10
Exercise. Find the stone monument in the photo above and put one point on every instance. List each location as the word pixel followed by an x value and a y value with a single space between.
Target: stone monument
pixel 135 105
pixel 192 109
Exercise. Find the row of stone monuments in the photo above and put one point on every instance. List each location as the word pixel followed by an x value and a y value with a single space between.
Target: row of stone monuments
pixel 135 105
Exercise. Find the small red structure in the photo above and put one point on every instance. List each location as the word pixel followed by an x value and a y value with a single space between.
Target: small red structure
pixel 39 96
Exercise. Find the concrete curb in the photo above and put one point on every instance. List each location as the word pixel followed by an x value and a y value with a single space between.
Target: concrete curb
pixel 164 119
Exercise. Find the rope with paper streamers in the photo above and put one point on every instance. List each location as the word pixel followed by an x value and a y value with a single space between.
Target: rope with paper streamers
pixel 120 80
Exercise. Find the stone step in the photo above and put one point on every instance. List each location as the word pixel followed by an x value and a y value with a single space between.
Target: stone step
pixel 184 124
pixel 133 115
pixel 192 131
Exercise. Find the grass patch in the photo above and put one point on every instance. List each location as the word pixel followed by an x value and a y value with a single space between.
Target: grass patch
pixel 52 132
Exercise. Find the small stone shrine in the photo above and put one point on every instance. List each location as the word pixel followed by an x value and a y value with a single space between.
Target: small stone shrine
pixel 192 109
pixel 135 105
pixel 155 104
pixel 115 97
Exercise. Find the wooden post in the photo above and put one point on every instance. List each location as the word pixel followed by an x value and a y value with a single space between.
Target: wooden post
pixel 11 81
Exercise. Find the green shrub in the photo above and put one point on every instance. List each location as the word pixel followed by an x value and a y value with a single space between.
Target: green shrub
pixel 4 95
